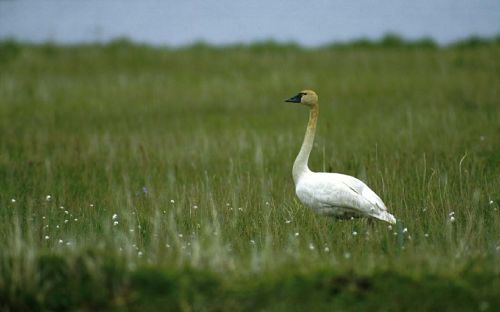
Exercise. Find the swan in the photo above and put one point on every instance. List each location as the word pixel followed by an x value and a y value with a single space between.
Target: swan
pixel 331 194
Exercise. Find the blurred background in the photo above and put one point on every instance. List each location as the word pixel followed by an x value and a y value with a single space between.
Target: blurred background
pixel 309 23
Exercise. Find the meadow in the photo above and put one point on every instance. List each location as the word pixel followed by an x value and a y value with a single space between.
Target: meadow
pixel 141 178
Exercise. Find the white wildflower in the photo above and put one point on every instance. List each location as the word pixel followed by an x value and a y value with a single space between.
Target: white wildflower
pixel 354 233
pixel 195 207
pixel 60 241
pixel 426 235
pixel 389 227
pixel 252 242
pixel 47 237
pixel 288 221
pixel 139 253
pixel 115 216
pixel 347 255
pixel 297 234
pixel 327 249
pixel 172 201
pixel 405 230
pixel 311 246
pixel 115 223
pixel 48 197
pixel 13 200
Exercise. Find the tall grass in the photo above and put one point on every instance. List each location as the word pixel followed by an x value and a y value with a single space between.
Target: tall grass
pixel 182 158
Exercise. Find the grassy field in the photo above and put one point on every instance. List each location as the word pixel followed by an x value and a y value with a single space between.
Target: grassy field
pixel 136 178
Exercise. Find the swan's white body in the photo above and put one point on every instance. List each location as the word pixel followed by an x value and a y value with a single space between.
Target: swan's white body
pixel 332 194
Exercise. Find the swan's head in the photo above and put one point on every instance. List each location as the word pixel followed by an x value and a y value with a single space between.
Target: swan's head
pixel 306 97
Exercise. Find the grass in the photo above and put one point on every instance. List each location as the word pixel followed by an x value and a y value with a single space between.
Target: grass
pixel 192 150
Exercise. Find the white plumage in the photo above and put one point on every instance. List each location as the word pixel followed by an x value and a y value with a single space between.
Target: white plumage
pixel 332 194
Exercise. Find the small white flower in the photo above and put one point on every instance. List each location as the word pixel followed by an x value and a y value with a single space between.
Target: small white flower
pixel 195 207
pixel 66 221
pixel 43 217
pixel 60 241
pixel 139 253
pixel 297 234
pixel 354 233
pixel 288 221
pixel 452 219
pixel 131 230
pixel 389 227
pixel 395 233
pixel 227 205
pixel 172 201
pixel 311 246
pixel 327 249
pixel 48 197
pixel 61 207
pixel 115 223
pixel 66 211
pixel 426 235
pixel 491 202
pixel 76 219
pixel 167 245
pixel 252 242
pixel 68 243
pixel 91 205
pixel 347 255
pixel 180 235
pixel 57 226
pixel 267 203
pixel 240 209
pixel 13 200
pixel 47 237
pixel 405 230
pixel 115 216
pixel 451 214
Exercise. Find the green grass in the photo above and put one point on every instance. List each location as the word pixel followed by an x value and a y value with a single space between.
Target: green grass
pixel 150 134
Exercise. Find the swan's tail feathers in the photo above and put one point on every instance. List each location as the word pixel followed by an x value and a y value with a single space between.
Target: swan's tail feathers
pixel 385 216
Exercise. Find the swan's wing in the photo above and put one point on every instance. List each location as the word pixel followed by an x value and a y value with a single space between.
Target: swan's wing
pixel 361 189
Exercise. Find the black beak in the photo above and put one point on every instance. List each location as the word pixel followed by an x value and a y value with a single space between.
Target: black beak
pixel 295 99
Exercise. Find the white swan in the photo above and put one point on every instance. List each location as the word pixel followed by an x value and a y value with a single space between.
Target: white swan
pixel 332 194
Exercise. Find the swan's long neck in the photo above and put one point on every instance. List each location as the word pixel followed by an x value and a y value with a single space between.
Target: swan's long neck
pixel 300 165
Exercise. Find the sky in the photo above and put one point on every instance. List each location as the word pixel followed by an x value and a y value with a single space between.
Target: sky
pixel 310 23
